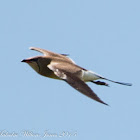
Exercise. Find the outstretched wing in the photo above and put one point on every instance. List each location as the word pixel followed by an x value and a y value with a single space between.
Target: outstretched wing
pixel 49 53
pixel 76 83
pixel 45 52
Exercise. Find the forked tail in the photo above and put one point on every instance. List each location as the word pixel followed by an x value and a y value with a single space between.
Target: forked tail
pixel 126 84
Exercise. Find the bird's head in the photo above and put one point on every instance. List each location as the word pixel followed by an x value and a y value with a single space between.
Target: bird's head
pixel 33 62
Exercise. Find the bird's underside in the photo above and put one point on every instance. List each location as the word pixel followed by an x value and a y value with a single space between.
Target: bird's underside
pixel 61 67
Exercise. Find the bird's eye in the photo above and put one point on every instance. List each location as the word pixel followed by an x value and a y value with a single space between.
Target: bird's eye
pixel 34 60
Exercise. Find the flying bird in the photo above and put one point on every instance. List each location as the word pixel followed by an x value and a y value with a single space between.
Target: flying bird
pixel 59 66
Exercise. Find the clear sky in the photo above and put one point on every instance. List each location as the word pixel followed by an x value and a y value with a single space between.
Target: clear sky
pixel 103 36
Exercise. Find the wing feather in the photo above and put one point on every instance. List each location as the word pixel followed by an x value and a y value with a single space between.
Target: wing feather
pixel 49 53
pixel 76 83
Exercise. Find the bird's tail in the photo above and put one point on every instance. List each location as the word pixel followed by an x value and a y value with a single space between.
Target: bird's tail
pixel 122 83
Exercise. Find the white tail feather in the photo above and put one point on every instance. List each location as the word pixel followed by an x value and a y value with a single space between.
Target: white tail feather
pixel 91 76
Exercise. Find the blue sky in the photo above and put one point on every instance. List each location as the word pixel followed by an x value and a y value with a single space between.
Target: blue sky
pixel 102 36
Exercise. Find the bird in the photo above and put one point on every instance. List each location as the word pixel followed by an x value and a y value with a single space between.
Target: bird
pixel 61 67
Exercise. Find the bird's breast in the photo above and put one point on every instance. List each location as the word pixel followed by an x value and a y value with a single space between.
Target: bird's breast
pixel 48 73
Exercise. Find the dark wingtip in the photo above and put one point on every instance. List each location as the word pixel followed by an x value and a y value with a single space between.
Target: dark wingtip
pixel 31 48
pixel 105 104
pixel 65 54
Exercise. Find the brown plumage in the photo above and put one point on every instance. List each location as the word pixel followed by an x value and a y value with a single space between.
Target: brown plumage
pixel 59 66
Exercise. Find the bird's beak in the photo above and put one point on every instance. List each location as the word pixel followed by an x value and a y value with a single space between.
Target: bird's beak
pixel 25 60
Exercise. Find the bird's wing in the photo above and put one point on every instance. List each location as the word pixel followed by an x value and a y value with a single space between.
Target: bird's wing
pixel 45 52
pixel 75 82
pixel 49 53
